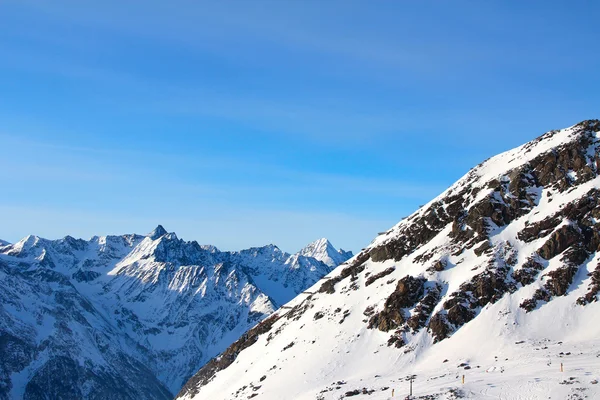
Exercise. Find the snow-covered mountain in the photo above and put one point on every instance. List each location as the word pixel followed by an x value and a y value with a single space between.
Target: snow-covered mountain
pixel 494 282
pixel 131 317
pixel 324 251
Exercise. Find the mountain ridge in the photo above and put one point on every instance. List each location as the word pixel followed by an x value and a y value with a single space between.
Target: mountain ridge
pixel 130 316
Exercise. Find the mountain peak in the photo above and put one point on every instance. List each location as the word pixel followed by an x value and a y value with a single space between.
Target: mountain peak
pixel 319 243
pixel 323 250
pixel 158 232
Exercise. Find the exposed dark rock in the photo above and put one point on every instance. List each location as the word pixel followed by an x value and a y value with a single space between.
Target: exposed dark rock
pixel 459 314
pixel 486 287
pixel 346 314
pixel 439 327
pixel 490 285
pixel 540 295
pixel 528 305
pixel 420 230
pixel 539 229
pixel 387 320
pixel 396 340
pixel 438 266
pixel 560 280
pixel 288 346
pixel 352 270
pixel 381 274
pixel 552 168
pixel 408 291
pixel 528 272
pixel 369 311
pixel 559 241
pixel 424 308
pixel 485 246
pixel 575 255
pixel 298 310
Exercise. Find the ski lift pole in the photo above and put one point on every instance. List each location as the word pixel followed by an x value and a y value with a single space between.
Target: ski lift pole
pixel 411 378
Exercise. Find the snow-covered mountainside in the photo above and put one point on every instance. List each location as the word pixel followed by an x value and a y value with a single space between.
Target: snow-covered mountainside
pixel 496 280
pixel 132 317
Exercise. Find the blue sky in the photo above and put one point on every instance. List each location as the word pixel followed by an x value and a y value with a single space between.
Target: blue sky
pixel 242 123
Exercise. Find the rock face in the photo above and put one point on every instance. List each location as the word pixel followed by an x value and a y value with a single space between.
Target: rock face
pixel 505 249
pixel 131 317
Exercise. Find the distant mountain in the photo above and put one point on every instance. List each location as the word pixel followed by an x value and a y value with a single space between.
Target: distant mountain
pixel 131 316
pixel 488 291
pixel 323 250
pixel 4 242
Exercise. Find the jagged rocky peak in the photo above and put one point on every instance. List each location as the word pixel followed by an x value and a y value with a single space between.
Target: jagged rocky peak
pixel 347 254
pixel 323 250
pixel 507 258
pixel 157 233
pixel 30 245
pixel 210 248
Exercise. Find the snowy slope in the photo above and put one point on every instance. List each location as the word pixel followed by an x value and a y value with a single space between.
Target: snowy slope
pixel 130 316
pixel 496 280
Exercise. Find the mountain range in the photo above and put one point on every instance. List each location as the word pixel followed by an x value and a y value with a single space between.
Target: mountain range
pixel 489 291
pixel 133 316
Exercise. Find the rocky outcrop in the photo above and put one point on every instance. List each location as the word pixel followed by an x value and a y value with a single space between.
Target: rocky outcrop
pixel 372 278
pixel 560 280
pixel 439 327
pixel 425 307
pixel 352 270
pixel 559 241
pixel 528 272
pixel 408 291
